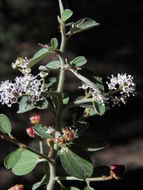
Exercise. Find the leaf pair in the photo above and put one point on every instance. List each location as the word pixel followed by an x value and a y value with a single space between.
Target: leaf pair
pixel 21 161
pixel 56 64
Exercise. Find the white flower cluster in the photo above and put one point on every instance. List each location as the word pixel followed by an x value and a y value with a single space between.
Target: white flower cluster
pixel 22 65
pixel 123 85
pixel 23 85
pixel 97 95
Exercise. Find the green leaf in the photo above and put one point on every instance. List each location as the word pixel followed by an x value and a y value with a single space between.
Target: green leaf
pixel 12 158
pixel 25 105
pixel 79 61
pixel 40 183
pixel 65 99
pixel 41 130
pixel 5 125
pixel 99 108
pixel 41 54
pixel 99 83
pixel 66 14
pixel 50 82
pixel 82 25
pixel 88 188
pixel 54 64
pixel 89 78
pixel 26 163
pixel 91 143
pixel 42 104
pixel 77 163
pixel 54 43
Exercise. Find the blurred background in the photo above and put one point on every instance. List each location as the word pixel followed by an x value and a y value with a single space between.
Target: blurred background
pixel 116 46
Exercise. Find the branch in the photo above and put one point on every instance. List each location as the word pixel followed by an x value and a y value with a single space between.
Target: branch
pixel 18 143
pixel 80 102
pixel 70 178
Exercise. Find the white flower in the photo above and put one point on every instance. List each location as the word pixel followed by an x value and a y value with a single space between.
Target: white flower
pixel 29 85
pixel 8 93
pixel 96 94
pixel 64 150
pixel 20 63
pixel 122 85
pixel 98 97
pixel 23 85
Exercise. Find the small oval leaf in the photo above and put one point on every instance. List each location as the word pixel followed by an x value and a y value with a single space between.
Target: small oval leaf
pixel 12 158
pixel 5 125
pixel 54 64
pixel 41 54
pixel 26 163
pixel 76 163
pixel 54 43
pixel 79 61
pixel 66 14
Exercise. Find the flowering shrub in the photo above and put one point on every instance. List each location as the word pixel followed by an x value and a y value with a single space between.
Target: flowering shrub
pixel 68 142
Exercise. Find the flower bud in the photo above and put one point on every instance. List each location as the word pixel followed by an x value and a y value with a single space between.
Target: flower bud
pixel 35 119
pixel 31 132
pixel 16 187
pixel 117 171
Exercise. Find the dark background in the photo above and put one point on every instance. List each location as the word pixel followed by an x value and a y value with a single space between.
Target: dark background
pixel 115 46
